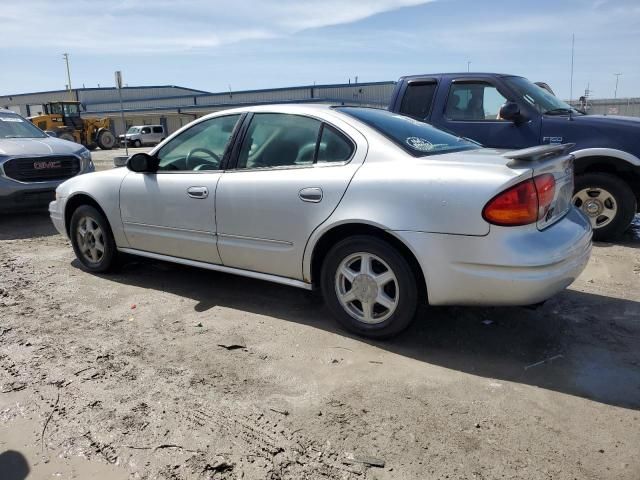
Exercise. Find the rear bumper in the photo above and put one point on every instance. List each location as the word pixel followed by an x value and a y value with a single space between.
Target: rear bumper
pixel 509 266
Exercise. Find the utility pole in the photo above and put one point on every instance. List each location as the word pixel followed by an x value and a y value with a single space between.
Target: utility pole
pixel 615 92
pixel 66 61
pixel 468 65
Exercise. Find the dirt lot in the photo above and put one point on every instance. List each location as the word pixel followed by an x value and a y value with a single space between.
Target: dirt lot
pixel 163 371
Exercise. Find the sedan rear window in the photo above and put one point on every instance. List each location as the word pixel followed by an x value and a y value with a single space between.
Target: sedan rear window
pixel 417 138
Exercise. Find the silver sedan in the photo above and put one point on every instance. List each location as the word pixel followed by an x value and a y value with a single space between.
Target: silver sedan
pixel 378 211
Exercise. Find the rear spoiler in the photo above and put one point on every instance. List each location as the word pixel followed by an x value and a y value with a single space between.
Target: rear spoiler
pixel 537 153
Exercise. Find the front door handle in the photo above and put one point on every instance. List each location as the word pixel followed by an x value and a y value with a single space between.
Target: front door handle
pixel 198 192
pixel 311 194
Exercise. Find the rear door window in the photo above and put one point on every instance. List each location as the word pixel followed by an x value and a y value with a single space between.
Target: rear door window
pixel 279 140
pixel 157 129
pixel 334 147
pixel 418 99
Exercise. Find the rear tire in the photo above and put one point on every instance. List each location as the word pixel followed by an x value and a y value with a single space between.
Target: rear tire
pixel 608 202
pixel 92 240
pixel 369 287
pixel 106 140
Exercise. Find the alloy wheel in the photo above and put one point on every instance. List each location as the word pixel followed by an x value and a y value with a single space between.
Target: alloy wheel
pixel 90 239
pixel 367 288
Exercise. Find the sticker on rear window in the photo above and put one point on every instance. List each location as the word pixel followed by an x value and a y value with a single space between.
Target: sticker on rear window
pixel 424 145
pixel 11 119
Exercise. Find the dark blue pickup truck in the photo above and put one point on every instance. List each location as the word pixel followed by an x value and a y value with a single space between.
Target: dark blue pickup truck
pixel 510 112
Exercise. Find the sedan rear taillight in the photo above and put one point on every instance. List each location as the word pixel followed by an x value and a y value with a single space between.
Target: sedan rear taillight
pixel 521 204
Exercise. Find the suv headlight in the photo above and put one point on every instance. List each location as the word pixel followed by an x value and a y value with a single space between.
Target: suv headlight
pixel 87 163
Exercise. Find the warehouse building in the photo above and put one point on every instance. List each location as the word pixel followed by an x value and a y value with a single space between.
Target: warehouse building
pixel 174 106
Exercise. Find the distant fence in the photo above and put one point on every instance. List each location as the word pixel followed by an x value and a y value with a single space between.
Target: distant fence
pixel 629 107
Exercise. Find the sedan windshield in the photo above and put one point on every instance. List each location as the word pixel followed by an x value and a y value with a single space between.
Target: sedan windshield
pixel 14 126
pixel 539 98
pixel 417 138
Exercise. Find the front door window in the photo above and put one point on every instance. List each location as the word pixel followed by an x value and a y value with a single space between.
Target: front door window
pixel 202 147
pixel 474 101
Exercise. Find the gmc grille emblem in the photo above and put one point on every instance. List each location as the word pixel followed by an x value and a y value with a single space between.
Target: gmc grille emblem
pixel 46 165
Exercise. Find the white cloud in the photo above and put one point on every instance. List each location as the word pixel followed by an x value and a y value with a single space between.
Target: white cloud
pixel 161 26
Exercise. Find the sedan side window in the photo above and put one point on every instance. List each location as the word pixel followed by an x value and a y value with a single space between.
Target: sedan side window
pixel 475 101
pixel 278 140
pixel 201 147
pixel 334 147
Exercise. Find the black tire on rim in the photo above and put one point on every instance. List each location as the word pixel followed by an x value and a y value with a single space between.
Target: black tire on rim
pixel 137 144
pixel 92 239
pixel 369 287
pixel 608 202
pixel 106 140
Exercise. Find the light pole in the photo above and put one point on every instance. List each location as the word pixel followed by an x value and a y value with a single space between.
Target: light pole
pixel 615 92
pixel 66 61
pixel 118 76
pixel 468 65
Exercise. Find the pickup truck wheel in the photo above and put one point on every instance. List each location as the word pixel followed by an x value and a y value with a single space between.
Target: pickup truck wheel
pixel 92 239
pixel 369 287
pixel 608 202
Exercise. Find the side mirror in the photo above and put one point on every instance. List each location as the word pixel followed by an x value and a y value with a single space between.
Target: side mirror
pixel 510 111
pixel 141 162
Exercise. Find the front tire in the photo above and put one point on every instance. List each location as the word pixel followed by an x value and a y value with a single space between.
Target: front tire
pixel 608 202
pixel 369 287
pixel 106 140
pixel 137 144
pixel 92 240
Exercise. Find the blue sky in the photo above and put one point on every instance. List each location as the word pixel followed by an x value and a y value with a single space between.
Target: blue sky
pixel 251 44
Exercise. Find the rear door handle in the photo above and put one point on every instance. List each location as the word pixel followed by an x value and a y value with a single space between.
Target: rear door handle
pixel 311 194
pixel 198 192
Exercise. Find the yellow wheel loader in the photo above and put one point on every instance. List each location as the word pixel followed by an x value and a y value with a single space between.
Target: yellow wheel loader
pixel 63 119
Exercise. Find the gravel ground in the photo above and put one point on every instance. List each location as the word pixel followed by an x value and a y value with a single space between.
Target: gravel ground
pixel 163 371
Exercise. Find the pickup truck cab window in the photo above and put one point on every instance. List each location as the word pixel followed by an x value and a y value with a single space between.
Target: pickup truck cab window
pixel 201 147
pixel 475 101
pixel 418 99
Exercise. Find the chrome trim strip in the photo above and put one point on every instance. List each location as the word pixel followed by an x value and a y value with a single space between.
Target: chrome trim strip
pixel 221 268
pixel 162 227
pixel 256 239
